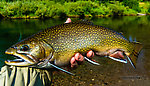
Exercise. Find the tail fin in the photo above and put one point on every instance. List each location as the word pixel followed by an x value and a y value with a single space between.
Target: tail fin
pixel 133 56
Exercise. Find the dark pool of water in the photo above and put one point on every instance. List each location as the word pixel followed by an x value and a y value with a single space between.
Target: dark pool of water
pixel 136 28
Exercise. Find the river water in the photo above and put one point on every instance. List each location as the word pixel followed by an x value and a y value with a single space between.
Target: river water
pixel 109 73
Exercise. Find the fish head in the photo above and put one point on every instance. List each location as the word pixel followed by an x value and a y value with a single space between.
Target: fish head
pixel 27 53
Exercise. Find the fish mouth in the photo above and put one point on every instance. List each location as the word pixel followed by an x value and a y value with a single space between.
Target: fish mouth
pixel 20 59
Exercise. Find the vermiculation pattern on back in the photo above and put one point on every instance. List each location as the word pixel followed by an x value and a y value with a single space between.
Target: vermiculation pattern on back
pixel 73 36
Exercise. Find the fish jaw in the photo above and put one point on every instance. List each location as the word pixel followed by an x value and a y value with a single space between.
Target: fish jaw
pixel 21 59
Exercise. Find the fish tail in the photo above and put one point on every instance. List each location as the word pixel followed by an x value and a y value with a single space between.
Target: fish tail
pixel 134 55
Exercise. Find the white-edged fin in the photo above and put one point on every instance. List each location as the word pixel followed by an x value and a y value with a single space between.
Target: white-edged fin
pixel 119 60
pixel 49 64
pixel 95 63
pixel 130 61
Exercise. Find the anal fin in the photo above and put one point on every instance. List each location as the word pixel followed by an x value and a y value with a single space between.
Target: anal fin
pixel 119 60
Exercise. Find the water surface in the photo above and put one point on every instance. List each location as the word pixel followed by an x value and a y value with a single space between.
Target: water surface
pixel 109 72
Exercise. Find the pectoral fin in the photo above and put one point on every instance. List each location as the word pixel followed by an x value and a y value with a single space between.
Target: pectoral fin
pixel 50 64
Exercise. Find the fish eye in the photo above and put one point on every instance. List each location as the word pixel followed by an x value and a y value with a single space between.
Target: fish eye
pixel 24 48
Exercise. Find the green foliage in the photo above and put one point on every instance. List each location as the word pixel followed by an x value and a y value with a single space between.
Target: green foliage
pixel 146 7
pixel 12 9
pixel 98 11
pixel 116 7
pixel 134 4
pixel 130 12
pixel 47 8
pixel 149 10
pixel 80 7
pixel 101 10
pixel 17 9
pixel 27 9
pixel 144 10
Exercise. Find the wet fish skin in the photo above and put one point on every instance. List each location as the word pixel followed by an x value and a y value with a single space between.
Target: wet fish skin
pixel 67 39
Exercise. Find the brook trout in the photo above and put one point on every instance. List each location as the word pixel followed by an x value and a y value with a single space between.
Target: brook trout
pixel 59 43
